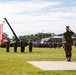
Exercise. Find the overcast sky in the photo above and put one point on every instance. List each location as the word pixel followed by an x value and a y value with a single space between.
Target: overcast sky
pixel 33 16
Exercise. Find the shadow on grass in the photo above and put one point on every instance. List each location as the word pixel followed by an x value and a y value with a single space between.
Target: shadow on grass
pixel 25 52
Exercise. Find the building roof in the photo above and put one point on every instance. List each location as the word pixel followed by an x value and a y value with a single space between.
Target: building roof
pixel 52 37
pixel 58 37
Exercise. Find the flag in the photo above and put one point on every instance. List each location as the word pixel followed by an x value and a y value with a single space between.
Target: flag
pixel 1 32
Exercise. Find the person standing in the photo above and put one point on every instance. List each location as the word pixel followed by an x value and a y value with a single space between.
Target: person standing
pixel 15 46
pixel 7 46
pixel 30 46
pixel 67 43
pixel 22 46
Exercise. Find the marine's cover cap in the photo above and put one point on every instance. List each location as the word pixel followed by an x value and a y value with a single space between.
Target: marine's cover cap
pixel 67 26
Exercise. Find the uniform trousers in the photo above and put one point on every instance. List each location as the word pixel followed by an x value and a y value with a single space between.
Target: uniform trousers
pixel 68 50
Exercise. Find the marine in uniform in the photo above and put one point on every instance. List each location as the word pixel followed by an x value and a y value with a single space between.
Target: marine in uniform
pixel 30 46
pixel 22 46
pixel 67 43
pixel 7 46
pixel 15 46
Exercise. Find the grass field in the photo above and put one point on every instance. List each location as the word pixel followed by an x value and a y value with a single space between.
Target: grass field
pixel 16 63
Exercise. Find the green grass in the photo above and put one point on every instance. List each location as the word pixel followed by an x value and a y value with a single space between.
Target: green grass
pixel 16 63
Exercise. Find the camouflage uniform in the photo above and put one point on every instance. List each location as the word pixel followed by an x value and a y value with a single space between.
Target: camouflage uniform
pixel 67 42
pixel 15 46
pixel 22 46
pixel 30 46
pixel 7 46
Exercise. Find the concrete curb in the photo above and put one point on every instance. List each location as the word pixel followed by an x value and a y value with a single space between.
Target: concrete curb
pixel 54 65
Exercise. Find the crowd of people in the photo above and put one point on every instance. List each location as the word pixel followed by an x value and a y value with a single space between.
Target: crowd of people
pixel 52 44
pixel 22 46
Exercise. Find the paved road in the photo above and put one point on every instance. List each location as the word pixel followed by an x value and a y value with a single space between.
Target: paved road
pixel 54 65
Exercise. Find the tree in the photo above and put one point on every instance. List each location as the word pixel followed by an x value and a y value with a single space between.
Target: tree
pixel 5 36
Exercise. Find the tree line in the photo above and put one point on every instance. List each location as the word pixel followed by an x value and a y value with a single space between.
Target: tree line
pixel 34 37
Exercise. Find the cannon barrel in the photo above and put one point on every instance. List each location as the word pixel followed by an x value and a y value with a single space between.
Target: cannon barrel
pixel 11 29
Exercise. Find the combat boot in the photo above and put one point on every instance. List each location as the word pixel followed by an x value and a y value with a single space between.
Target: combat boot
pixel 69 59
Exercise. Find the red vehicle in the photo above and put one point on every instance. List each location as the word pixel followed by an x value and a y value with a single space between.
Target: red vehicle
pixel 3 42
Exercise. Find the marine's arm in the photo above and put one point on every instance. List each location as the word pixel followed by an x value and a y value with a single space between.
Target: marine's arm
pixel 71 31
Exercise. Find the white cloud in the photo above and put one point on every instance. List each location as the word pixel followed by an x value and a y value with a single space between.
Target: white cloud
pixel 21 17
pixel 73 2
pixel 15 8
